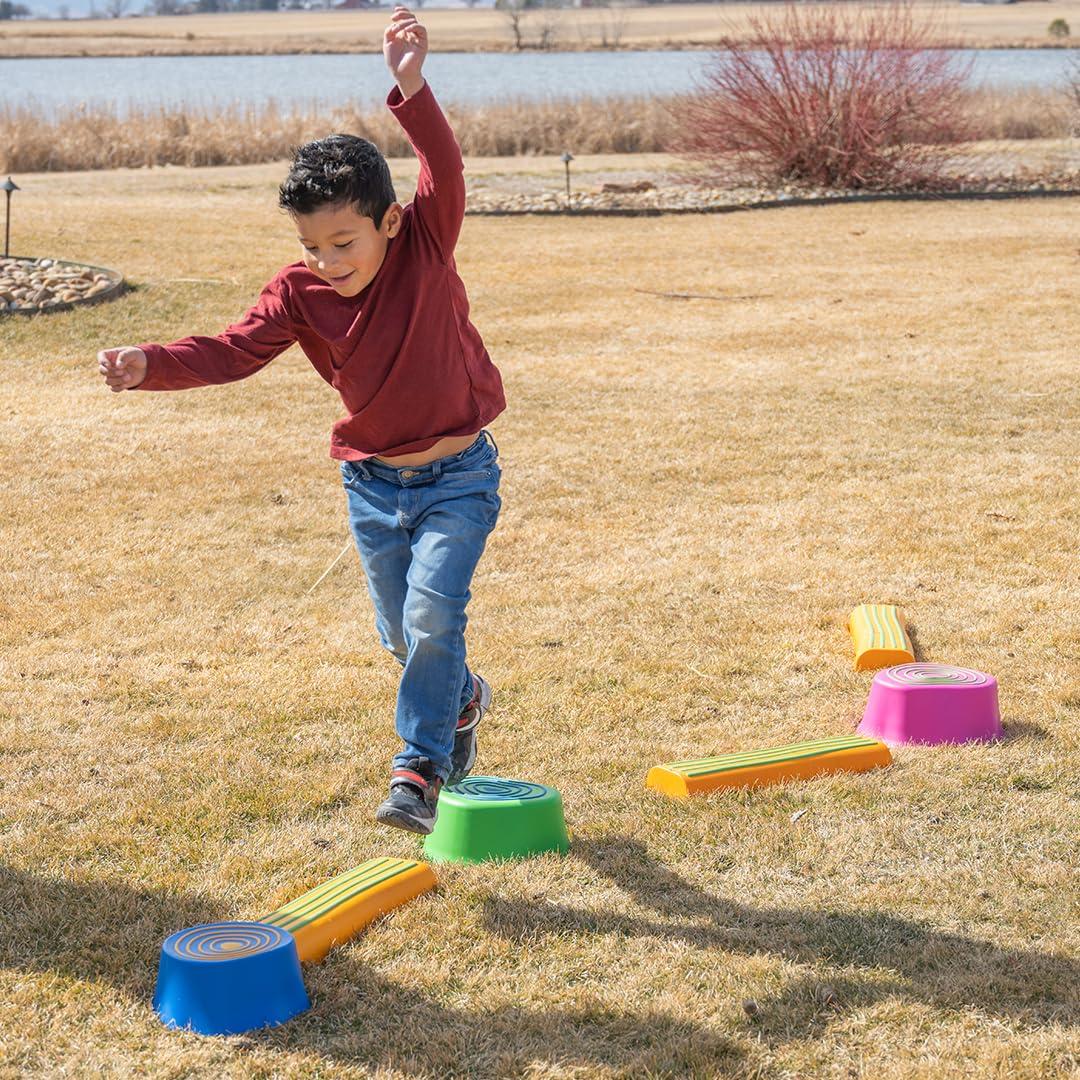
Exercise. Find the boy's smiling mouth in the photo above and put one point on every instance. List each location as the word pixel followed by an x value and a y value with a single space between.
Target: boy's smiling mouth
pixel 340 280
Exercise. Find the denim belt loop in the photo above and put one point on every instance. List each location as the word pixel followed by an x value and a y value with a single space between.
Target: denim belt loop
pixel 491 439
pixel 436 468
pixel 364 471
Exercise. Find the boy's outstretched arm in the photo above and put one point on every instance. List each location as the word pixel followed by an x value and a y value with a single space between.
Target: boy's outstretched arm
pixel 243 348
pixel 440 185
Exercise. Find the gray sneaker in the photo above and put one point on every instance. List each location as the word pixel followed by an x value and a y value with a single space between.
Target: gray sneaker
pixel 464 753
pixel 413 800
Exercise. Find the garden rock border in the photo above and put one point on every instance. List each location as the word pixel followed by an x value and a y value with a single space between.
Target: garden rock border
pixel 38 286
pixel 680 201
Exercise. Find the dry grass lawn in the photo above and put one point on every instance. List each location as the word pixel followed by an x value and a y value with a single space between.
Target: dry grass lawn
pixel 649 27
pixel 875 403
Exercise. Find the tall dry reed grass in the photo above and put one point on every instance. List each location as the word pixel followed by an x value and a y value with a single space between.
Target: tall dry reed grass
pixel 84 138
pixel 1023 113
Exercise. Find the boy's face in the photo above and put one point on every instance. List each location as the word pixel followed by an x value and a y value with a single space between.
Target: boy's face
pixel 343 247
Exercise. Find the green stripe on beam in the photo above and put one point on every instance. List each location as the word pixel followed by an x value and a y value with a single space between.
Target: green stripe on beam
pixel 743 765
pixel 364 879
pixel 372 866
pixel 836 742
pixel 305 909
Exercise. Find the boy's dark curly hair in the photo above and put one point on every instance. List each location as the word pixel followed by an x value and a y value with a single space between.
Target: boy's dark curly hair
pixel 340 169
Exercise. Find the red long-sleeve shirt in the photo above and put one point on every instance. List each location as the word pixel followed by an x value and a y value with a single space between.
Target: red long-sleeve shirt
pixel 407 362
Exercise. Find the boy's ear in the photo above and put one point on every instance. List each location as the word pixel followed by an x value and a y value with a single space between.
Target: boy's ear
pixel 391 225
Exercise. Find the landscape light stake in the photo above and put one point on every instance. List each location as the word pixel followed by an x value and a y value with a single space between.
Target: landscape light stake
pixel 9 187
pixel 566 159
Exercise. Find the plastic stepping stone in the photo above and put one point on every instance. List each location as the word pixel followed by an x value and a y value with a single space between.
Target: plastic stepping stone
pixel 229 977
pixel 932 703
pixel 333 912
pixel 879 636
pixel 798 761
pixel 488 817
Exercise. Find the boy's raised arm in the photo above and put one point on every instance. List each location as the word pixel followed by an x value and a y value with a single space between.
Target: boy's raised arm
pixel 440 185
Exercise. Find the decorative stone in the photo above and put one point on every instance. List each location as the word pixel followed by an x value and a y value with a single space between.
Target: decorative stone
pixel 29 285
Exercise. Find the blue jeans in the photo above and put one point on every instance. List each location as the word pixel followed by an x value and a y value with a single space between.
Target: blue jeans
pixel 420 532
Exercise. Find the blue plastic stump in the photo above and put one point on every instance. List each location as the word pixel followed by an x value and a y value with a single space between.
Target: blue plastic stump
pixel 229 977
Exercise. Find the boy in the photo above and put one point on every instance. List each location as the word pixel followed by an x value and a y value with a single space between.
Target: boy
pixel 378 308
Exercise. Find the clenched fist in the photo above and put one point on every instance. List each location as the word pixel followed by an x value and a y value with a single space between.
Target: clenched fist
pixel 124 368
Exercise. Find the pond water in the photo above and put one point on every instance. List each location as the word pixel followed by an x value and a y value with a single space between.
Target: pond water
pixel 472 78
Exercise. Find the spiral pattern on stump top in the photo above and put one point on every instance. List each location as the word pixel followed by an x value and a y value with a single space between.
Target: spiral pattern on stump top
pixel 935 675
pixel 492 789
pixel 227 941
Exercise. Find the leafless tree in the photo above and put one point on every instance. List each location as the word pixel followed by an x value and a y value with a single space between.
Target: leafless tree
pixel 547 28
pixel 612 26
pixel 514 10
pixel 519 15
pixel 604 19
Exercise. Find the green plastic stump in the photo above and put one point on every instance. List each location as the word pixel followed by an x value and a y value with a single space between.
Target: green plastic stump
pixel 487 817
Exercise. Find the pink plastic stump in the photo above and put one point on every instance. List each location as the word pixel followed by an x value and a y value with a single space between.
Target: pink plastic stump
pixel 931 703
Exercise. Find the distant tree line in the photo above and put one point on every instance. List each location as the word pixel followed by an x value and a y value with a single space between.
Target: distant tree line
pixel 115 9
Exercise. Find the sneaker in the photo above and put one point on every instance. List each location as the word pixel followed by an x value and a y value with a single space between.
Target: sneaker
pixel 464 753
pixel 414 795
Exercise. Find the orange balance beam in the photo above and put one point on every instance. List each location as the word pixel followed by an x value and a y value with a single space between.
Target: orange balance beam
pixel 333 912
pixel 845 753
pixel 879 636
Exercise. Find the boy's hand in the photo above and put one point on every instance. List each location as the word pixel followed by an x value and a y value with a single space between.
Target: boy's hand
pixel 123 368
pixel 405 45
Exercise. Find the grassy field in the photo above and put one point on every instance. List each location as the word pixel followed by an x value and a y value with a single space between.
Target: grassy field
pixel 666 26
pixel 868 403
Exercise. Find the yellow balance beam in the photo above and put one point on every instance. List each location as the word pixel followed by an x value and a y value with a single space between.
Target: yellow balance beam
pixel 845 753
pixel 879 636
pixel 333 912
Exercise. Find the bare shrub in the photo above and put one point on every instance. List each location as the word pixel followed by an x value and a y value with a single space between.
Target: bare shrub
pixel 1072 97
pixel 1059 29
pixel 835 97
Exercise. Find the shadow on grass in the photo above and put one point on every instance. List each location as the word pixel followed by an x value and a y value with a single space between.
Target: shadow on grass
pixel 92 930
pixel 1021 729
pixel 903 958
pixel 111 932
pixel 917 650
pixel 359 1016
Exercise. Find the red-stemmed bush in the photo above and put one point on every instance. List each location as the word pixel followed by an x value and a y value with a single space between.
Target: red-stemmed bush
pixel 1072 92
pixel 834 97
